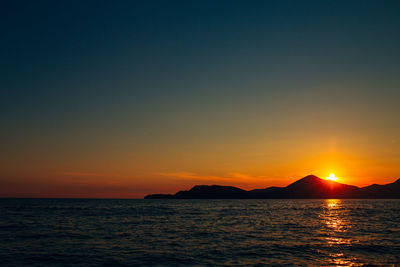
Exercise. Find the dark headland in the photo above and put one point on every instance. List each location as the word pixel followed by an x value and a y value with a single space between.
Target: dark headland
pixel 308 187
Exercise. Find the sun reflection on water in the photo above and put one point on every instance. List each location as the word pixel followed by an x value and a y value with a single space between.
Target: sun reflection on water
pixel 336 219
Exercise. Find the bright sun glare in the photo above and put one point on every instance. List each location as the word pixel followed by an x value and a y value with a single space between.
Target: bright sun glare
pixel 331 177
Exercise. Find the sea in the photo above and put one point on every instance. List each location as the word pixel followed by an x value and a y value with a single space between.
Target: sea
pixel 173 232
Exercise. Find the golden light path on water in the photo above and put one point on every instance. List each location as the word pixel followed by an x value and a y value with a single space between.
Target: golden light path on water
pixel 337 223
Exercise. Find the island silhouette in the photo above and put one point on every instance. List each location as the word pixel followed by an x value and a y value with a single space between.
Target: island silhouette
pixel 308 187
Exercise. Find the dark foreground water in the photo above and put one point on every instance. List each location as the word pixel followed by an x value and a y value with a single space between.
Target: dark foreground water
pixel 199 232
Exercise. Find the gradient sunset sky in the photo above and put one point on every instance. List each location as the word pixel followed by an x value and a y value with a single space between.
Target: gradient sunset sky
pixel 126 98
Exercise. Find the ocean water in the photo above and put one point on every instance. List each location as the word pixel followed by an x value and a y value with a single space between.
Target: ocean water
pixel 199 232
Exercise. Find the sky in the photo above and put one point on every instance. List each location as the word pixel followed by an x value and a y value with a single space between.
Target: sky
pixel 119 99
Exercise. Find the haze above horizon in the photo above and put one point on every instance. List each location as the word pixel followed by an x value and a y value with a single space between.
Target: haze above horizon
pixel 124 99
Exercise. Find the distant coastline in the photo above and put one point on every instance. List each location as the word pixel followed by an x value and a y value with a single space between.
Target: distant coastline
pixel 306 188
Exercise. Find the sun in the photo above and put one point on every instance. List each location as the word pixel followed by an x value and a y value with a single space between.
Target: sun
pixel 331 177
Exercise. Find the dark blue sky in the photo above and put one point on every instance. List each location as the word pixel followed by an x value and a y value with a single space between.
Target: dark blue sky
pixel 137 78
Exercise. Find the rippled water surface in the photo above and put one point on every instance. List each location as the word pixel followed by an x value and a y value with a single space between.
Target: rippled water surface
pixel 199 232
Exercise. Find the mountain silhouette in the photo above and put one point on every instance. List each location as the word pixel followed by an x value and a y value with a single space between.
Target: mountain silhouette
pixel 212 191
pixel 391 190
pixel 308 187
pixel 314 187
